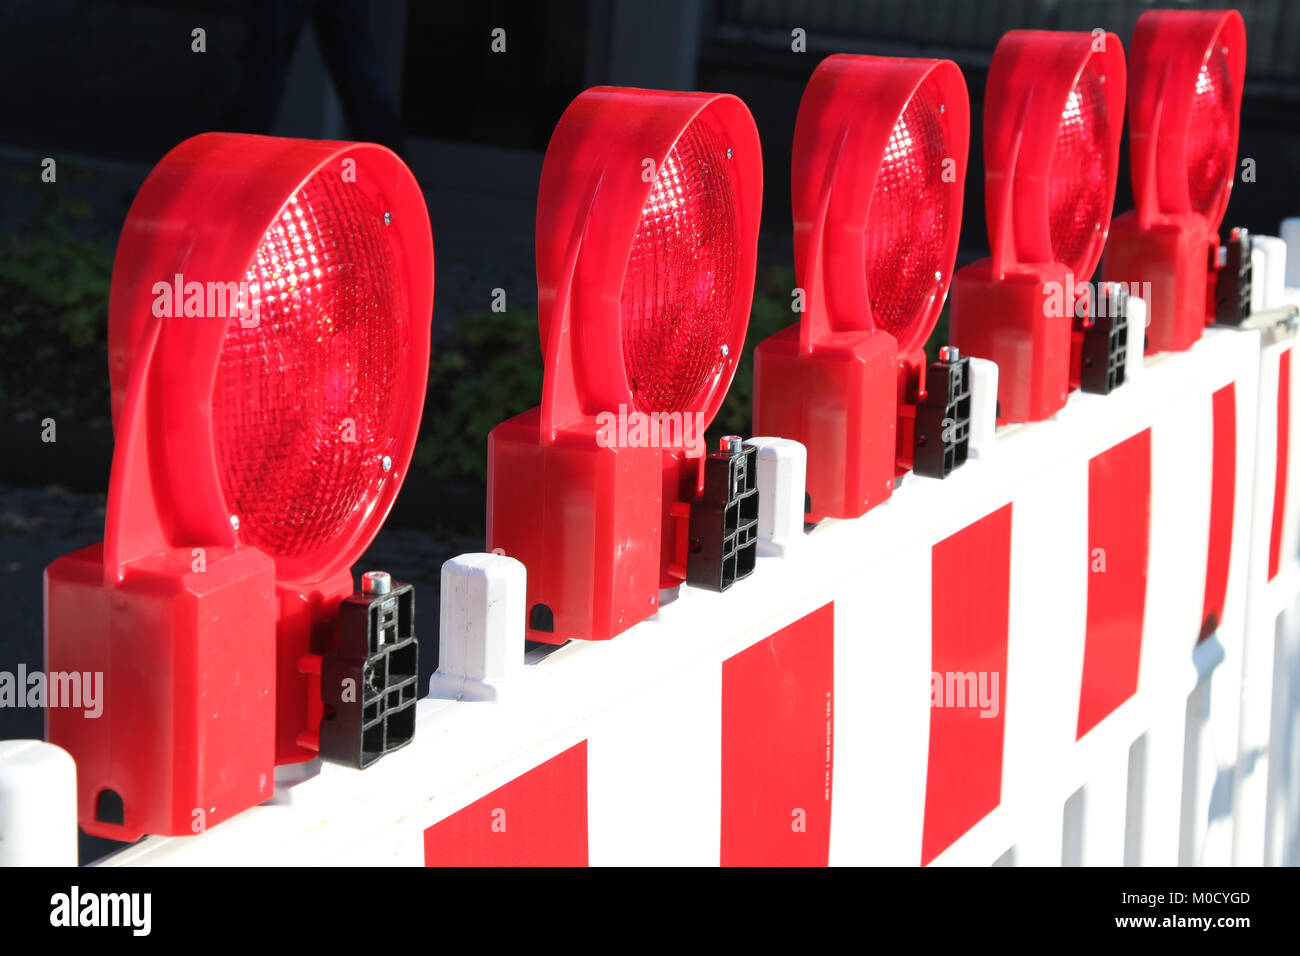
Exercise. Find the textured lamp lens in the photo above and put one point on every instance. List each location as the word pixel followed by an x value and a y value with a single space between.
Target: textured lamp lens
pixel 675 306
pixel 908 221
pixel 304 404
pixel 1077 193
pixel 1209 134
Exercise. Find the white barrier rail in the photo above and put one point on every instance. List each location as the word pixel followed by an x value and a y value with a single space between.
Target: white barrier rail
pixel 1011 666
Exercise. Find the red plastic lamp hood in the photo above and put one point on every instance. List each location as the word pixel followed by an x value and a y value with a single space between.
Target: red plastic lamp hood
pixel 877 179
pixel 647 231
pixel 1188 69
pixel 1187 72
pixel 1053 116
pixel 281 419
pixel 268 349
pixel 647 226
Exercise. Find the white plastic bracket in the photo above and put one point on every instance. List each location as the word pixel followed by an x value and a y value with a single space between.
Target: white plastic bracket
pixel 481 627
pixel 1291 236
pixel 1267 272
pixel 1135 346
pixel 782 472
pixel 38 804
pixel 983 407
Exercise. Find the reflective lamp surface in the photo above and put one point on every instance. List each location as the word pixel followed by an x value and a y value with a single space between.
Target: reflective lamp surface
pixel 907 221
pixel 1078 191
pixel 676 303
pixel 1210 145
pixel 304 400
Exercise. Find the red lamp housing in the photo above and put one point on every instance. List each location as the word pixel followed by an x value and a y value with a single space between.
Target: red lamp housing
pixel 1053 115
pixel 268 348
pixel 1184 107
pixel 877 178
pixel 647 232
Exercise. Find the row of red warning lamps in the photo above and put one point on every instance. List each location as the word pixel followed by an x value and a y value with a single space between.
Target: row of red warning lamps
pixel 259 451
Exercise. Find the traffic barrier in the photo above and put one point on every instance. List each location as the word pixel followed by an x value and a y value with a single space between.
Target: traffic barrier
pixel 952 678
pixel 1080 648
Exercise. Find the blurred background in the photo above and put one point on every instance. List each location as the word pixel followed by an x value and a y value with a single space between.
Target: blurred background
pixel 106 88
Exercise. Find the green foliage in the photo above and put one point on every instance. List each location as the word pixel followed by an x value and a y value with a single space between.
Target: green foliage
pixel 49 272
pixel 63 277
pixel 489 370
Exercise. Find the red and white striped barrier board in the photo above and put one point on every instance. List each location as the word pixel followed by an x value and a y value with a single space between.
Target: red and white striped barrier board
pixel 1080 648
pixel 1038 660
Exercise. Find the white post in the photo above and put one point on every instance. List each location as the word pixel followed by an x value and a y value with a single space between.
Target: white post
pixel 1105 813
pixel 983 407
pixel 1291 236
pixel 1137 338
pixel 782 471
pixel 1267 273
pixel 1161 788
pixel 38 804
pixel 481 632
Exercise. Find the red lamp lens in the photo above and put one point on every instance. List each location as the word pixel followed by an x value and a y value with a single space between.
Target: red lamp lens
pixel 908 220
pixel 304 402
pixel 675 307
pixel 1077 189
pixel 1209 133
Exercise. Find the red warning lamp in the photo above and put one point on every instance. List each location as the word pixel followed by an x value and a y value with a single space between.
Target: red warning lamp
pixel 269 345
pixel 877 179
pixel 1188 69
pixel 1053 115
pixel 647 231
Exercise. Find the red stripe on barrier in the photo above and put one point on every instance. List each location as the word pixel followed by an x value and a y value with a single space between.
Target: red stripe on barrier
pixel 537 819
pixel 1283 452
pixel 777 748
pixel 1223 490
pixel 1119 531
pixel 969 610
